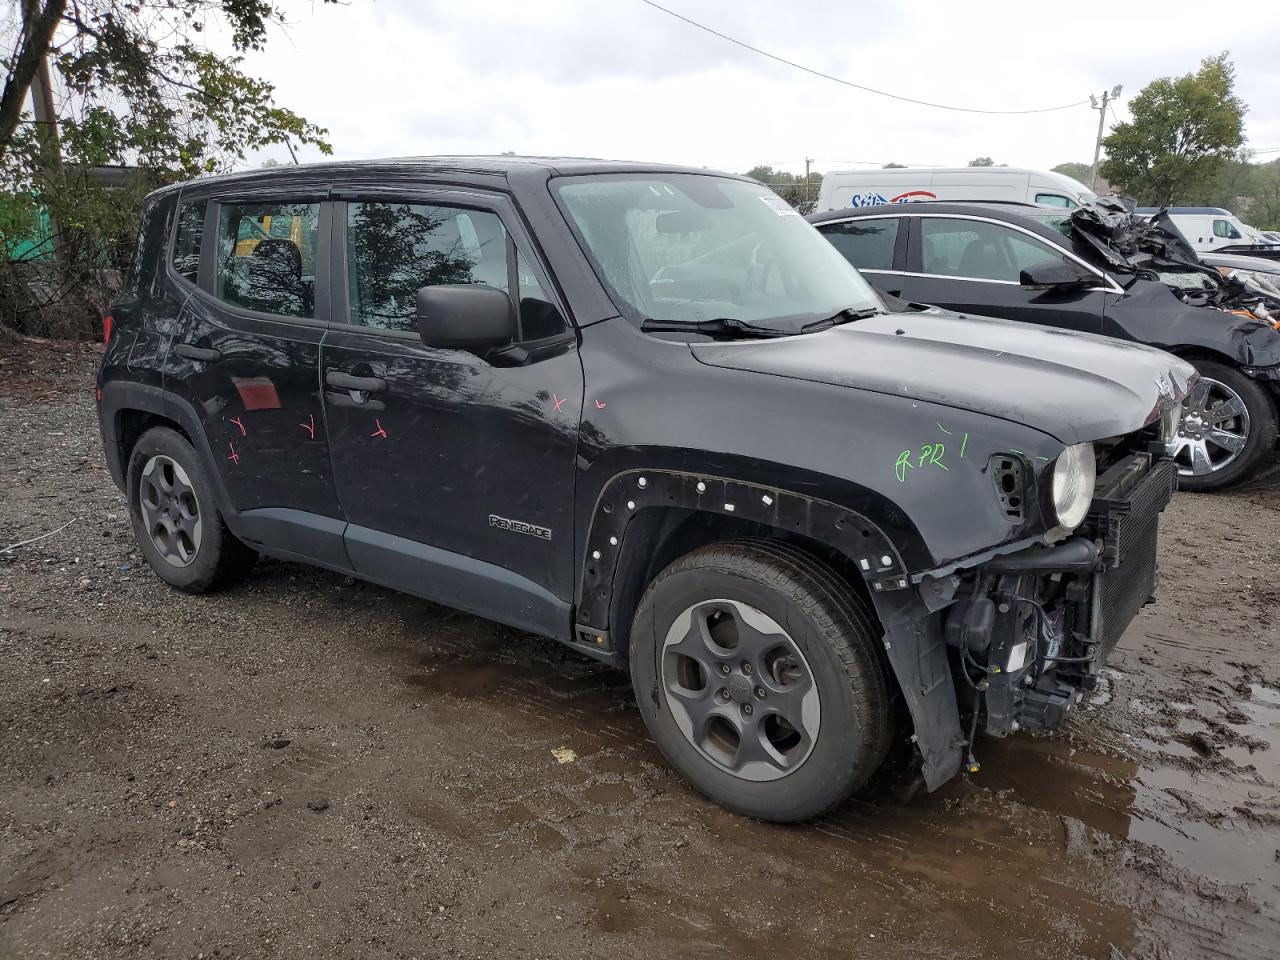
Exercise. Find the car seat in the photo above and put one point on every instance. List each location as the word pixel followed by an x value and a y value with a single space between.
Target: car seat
pixel 983 258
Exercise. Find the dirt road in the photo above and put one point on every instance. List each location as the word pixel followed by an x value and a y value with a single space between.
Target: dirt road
pixel 309 766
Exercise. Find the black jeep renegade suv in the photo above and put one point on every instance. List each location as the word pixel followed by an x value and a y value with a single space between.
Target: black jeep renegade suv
pixel 652 413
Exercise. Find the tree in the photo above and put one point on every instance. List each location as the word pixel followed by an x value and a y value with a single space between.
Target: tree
pixel 1183 131
pixel 790 186
pixel 982 162
pixel 1076 171
pixel 124 83
pixel 894 166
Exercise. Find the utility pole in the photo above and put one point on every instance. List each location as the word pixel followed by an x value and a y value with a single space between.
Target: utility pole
pixel 807 161
pixel 1107 97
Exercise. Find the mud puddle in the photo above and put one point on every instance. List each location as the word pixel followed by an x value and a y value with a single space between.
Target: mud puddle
pixel 1196 818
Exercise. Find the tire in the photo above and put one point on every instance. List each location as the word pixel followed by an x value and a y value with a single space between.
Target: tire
pixel 1221 382
pixel 176 522
pixel 759 586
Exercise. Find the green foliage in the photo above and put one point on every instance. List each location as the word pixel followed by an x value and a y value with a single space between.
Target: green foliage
pixel 894 166
pixel 1183 131
pixel 1076 171
pixel 982 162
pixel 136 88
pixel 790 186
pixel 1264 207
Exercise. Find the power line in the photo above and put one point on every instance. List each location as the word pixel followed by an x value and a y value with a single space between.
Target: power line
pixel 848 83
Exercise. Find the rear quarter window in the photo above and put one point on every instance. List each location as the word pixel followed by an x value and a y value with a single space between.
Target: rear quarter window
pixel 188 238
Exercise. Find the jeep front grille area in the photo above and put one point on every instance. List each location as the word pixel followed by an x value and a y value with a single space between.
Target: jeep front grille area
pixel 1034 629
pixel 1125 518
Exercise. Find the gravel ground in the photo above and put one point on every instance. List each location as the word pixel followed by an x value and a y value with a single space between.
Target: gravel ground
pixel 311 766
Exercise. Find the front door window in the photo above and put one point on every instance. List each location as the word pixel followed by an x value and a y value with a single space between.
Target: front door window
pixel 977 250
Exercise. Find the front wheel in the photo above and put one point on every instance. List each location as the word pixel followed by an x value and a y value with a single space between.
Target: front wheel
pixel 1228 425
pixel 758 673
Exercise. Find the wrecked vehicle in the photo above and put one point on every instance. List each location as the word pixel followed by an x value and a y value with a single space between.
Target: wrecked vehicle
pixel 1099 269
pixel 1264 275
pixel 649 412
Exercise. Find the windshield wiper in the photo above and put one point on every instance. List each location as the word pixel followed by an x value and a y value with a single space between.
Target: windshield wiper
pixel 846 315
pixel 720 326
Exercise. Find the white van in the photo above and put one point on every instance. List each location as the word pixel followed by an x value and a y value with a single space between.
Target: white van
pixel 867 188
pixel 1211 228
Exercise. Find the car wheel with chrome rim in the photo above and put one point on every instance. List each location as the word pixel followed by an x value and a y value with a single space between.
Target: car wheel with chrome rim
pixel 1228 425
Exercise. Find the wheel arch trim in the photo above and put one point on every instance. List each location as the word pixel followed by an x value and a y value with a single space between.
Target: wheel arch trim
pixel 631 492
pixel 121 397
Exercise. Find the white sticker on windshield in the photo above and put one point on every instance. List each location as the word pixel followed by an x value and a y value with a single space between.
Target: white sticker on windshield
pixel 778 205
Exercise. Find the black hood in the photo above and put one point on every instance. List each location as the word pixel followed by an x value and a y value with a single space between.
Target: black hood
pixel 1074 386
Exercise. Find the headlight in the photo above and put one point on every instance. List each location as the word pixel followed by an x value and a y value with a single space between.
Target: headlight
pixel 1073 478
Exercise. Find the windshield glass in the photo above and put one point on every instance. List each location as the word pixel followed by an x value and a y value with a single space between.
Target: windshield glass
pixel 684 248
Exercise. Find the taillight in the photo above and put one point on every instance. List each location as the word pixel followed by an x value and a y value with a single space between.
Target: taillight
pixel 106 328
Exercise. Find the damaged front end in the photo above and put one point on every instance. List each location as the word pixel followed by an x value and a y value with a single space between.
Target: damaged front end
pixel 1021 637
pixel 1033 629
pixel 1156 250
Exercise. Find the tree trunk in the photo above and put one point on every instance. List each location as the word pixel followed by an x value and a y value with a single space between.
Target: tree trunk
pixel 38 25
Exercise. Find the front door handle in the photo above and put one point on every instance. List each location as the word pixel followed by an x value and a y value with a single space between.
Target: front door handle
pixel 347 381
pixel 192 352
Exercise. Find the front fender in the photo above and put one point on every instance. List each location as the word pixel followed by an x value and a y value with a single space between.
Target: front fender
pixel 1150 313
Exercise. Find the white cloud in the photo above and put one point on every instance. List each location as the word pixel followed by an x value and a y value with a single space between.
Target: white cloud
pixel 619 79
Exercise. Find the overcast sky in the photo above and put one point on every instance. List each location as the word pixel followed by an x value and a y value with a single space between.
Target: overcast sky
pixel 618 79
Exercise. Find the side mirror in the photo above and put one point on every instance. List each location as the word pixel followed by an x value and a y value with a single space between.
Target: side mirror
pixel 1053 274
pixel 465 316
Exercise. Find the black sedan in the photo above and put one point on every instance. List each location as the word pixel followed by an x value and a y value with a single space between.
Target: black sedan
pixel 1024 262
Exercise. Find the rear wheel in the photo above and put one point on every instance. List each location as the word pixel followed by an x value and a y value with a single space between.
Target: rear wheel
pixel 1228 425
pixel 175 522
pixel 757 672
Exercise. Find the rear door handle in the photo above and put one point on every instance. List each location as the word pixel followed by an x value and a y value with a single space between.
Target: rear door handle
pixel 192 352
pixel 346 381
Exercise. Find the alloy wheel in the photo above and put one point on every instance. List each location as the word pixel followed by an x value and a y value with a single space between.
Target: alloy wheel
pixel 740 690
pixel 170 510
pixel 1213 430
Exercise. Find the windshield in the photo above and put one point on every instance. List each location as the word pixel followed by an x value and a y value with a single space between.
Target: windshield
pixel 684 248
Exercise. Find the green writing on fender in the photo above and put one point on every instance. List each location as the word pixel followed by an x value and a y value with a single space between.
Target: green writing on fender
pixel 929 455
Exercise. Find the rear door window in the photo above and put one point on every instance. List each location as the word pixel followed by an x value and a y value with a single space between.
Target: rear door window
pixel 867 244
pixel 267 257
pixel 979 250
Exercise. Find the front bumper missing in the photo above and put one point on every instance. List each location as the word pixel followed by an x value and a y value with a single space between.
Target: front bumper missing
pixel 1035 627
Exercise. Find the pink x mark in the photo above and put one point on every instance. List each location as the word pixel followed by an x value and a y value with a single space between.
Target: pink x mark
pixel 559 402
